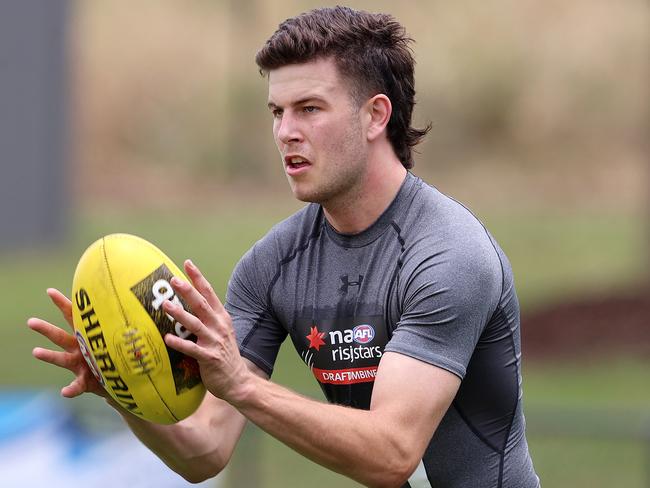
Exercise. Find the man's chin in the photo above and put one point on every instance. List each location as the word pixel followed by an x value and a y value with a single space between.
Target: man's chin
pixel 302 194
pixel 304 197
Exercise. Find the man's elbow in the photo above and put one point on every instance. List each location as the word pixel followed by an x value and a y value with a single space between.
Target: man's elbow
pixel 394 473
pixel 195 479
pixel 397 477
pixel 200 471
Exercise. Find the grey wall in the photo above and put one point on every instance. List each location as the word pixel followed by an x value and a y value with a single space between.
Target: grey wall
pixel 33 122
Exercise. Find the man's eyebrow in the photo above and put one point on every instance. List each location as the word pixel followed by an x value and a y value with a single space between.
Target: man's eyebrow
pixel 311 98
pixel 302 101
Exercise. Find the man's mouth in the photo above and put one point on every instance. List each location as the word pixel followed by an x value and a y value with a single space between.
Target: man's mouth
pixel 295 163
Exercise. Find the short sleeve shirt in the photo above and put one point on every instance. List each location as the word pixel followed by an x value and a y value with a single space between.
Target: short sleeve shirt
pixel 426 280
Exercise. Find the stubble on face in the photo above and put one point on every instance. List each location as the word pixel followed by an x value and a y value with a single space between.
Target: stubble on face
pixel 342 166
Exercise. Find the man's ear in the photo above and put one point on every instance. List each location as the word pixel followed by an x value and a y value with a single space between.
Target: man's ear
pixel 379 110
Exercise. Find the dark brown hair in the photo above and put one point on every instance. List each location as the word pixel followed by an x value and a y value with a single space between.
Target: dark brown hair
pixel 370 50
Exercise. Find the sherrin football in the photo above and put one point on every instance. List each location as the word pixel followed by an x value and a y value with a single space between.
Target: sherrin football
pixel 118 290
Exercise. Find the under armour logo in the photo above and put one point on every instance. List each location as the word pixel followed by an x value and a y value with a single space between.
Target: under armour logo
pixel 347 283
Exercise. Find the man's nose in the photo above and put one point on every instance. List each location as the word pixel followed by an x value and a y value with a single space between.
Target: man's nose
pixel 289 130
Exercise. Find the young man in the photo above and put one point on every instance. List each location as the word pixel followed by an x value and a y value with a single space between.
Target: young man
pixel 394 295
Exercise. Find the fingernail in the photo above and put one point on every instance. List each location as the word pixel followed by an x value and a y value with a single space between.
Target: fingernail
pixel 191 264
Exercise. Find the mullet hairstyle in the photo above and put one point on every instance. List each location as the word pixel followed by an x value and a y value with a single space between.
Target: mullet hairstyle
pixel 370 50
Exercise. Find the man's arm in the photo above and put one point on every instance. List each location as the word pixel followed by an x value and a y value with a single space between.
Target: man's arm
pixel 197 448
pixel 200 446
pixel 377 447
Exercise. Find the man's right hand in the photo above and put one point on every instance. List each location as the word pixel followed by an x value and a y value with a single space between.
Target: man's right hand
pixel 71 357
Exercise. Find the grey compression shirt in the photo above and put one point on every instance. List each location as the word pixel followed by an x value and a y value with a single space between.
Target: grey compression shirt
pixel 425 280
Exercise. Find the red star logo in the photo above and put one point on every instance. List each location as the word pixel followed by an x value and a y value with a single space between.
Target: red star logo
pixel 315 338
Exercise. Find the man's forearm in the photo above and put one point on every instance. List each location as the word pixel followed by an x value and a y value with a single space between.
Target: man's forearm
pixel 357 443
pixel 198 447
pixel 166 441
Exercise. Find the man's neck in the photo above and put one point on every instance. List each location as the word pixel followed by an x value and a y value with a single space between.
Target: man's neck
pixel 362 208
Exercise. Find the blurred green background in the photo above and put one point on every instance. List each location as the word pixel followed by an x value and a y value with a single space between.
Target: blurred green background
pixel 540 125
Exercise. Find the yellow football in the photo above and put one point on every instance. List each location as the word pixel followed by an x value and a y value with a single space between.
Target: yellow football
pixel 118 290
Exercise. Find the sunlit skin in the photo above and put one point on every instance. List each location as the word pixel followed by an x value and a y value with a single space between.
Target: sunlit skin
pixel 351 168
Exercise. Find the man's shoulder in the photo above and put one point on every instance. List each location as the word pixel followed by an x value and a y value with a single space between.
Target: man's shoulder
pixel 288 235
pixel 283 240
pixel 296 229
pixel 439 225
pixel 436 215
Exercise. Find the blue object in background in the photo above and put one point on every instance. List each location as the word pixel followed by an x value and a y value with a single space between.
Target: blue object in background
pixel 43 443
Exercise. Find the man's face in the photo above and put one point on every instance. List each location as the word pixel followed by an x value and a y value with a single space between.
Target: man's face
pixel 317 128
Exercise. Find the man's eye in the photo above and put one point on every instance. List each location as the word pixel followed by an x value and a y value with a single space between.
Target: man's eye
pixel 310 109
pixel 277 113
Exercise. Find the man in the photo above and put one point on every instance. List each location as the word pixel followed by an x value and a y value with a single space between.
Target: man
pixel 394 295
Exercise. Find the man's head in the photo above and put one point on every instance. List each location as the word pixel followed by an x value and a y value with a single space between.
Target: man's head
pixel 371 51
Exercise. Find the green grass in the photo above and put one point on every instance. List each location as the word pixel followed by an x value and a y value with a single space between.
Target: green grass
pixel 588 422
pixel 558 256
pixel 569 462
pixel 553 257
pixel 601 383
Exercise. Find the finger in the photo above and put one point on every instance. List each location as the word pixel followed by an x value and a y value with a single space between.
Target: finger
pixel 197 303
pixel 55 334
pixel 186 319
pixel 203 286
pixel 74 389
pixel 62 302
pixel 57 358
pixel 188 348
